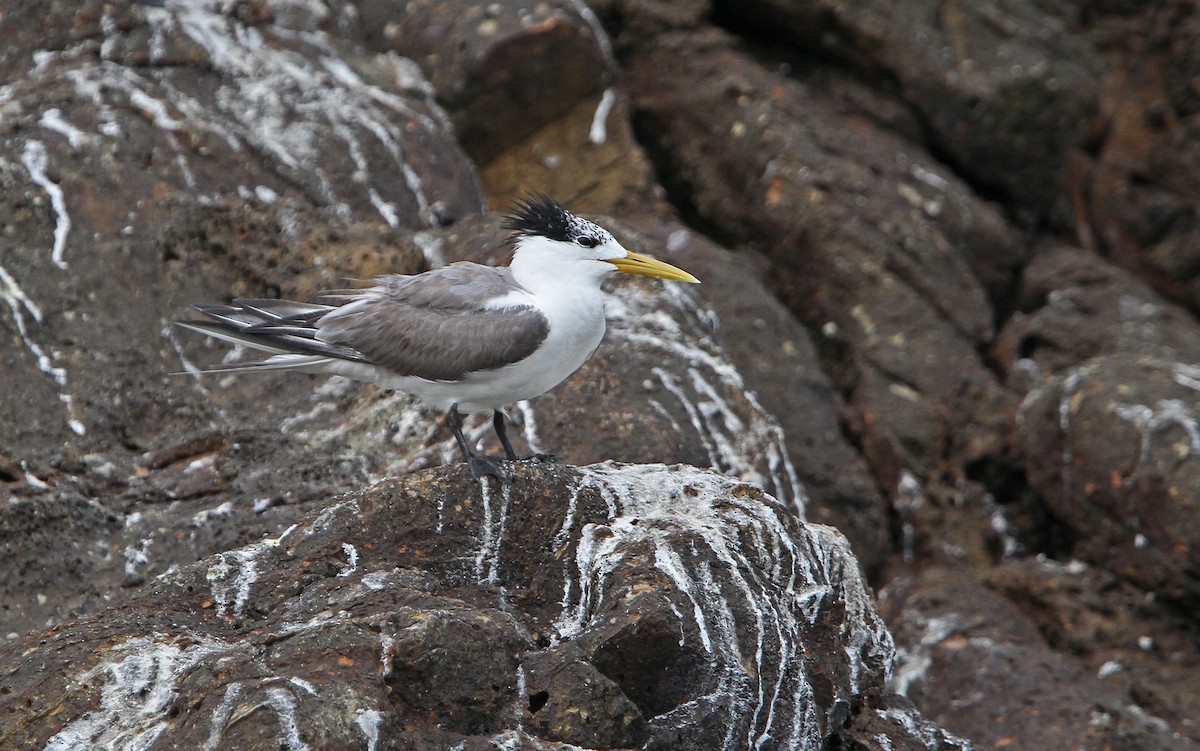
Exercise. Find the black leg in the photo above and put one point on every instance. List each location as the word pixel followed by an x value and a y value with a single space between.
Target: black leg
pixel 502 434
pixel 481 466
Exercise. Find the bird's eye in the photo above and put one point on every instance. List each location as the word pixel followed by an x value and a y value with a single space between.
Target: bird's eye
pixel 587 241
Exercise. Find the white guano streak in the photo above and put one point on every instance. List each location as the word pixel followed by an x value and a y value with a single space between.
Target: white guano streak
pixel 36 161
pixel 52 119
pixel 598 133
pixel 141 682
pixel 20 304
pixel 368 721
pixel 676 512
pixel 265 81
pixel 676 324
pixel 491 535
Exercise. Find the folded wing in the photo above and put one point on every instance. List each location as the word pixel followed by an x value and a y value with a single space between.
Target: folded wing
pixel 439 326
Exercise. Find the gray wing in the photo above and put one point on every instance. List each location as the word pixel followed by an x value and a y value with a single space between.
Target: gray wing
pixel 436 325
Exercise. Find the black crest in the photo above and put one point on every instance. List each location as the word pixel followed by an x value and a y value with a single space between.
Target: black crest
pixel 541 215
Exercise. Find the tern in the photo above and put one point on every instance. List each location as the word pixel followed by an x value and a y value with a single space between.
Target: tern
pixel 460 338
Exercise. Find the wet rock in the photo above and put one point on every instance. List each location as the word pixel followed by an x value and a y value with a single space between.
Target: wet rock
pixel 413 607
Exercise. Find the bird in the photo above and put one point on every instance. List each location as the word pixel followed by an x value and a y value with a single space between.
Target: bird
pixel 461 338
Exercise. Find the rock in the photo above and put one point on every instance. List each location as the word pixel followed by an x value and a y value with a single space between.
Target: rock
pixel 143 101
pixel 611 605
pixel 946 232
pixel 874 246
pixel 1136 194
pixel 1113 628
pixel 1072 306
pixel 100 135
pixel 588 158
pixel 504 70
pixel 896 724
pixel 778 360
pixel 962 637
pixel 1111 446
pixel 1006 90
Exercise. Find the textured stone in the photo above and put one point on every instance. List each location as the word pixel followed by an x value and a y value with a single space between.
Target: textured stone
pixel 974 663
pixel 1111 446
pixel 872 244
pixel 654 606
pixel 958 206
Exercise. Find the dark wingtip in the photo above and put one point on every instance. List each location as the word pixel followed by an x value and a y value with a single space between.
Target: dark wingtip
pixel 539 214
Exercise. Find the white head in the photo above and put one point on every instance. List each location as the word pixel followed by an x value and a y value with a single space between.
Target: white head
pixel 551 241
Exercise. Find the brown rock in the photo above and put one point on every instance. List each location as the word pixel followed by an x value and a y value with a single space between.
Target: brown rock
pixel 410 608
pixel 973 664
pixel 873 244
pixel 1136 196
pixel 1073 305
pixel 779 362
pixel 1134 643
pixel 1006 91
pixel 1111 447
pixel 504 70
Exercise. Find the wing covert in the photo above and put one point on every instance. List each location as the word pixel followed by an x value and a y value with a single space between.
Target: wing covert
pixel 437 325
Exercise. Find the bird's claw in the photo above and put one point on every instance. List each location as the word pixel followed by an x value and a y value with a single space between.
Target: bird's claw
pixel 482 466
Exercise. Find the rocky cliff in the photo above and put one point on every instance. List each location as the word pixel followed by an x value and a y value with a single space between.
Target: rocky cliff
pixel 949 309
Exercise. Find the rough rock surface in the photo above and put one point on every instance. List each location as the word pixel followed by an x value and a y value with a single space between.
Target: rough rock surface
pixel 610 606
pixel 958 321
pixel 996 679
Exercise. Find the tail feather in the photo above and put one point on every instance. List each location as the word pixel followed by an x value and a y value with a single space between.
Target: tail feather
pixel 307 363
pixel 283 328
pixel 283 310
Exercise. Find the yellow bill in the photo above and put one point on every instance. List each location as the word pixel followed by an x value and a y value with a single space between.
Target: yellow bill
pixel 636 263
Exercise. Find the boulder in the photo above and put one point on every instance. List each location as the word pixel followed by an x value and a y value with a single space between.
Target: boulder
pixel 977 665
pixel 1006 91
pixel 874 246
pixel 607 606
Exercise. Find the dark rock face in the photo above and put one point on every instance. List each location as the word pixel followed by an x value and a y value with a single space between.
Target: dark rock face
pixel 959 324
pixel 490 77
pixel 872 246
pixel 1006 90
pixel 653 607
pixel 969 638
pixel 1130 497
